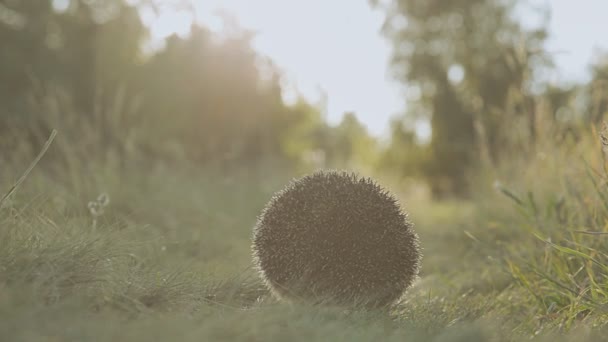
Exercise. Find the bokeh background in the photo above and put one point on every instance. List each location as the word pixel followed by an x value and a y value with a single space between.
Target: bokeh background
pixel 444 88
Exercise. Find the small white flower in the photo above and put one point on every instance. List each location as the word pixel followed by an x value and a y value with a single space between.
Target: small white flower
pixel 103 200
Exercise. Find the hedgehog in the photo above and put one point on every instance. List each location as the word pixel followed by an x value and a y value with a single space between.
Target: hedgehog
pixel 336 238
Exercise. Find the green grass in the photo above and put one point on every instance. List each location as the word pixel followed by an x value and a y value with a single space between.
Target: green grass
pixel 169 258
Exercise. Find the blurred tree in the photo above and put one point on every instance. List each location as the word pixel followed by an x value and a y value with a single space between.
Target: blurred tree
pixel 207 96
pixel 471 61
pixel 559 113
pixel 303 137
pixel 348 144
pixel 405 157
pixel 224 100
pixel 24 49
pixel 598 90
pixel 85 49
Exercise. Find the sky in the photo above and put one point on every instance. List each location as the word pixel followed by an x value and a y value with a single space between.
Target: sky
pixel 336 48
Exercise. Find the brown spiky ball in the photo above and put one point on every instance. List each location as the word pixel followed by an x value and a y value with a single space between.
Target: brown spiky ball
pixel 334 237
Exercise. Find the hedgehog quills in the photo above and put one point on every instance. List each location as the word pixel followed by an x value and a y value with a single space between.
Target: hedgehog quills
pixel 336 238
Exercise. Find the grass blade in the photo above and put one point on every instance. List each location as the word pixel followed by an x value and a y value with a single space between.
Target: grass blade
pixel 15 186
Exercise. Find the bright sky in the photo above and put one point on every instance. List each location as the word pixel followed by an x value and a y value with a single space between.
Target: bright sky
pixel 336 47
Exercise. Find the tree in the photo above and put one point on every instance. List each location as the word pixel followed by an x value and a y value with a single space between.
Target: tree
pixel 598 90
pixel 208 93
pixel 88 48
pixel 472 63
pixel 349 144
pixel 405 157
pixel 24 50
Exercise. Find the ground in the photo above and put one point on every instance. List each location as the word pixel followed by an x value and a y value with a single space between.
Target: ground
pixel 168 258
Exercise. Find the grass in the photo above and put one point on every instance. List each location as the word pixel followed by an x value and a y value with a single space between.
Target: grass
pixel 168 257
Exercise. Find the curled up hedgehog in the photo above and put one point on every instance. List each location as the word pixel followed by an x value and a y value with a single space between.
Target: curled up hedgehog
pixel 336 238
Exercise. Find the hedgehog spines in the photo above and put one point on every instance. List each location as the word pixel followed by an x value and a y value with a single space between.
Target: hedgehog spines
pixel 335 237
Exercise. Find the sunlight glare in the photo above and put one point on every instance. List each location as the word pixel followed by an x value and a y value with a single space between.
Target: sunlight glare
pixel 334 49
pixel 167 21
pixel 319 47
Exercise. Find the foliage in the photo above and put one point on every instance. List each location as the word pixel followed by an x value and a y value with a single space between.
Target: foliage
pixel 206 97
pixel 168 256
pixel 470 62
pixel 349 145
pixel 562 203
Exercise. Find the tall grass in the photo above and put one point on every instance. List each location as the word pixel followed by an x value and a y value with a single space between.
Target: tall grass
pixel 167 258
pixel 559 247
pixel 103 241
